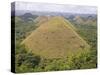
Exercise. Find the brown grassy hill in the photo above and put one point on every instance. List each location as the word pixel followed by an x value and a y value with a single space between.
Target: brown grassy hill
pixel 85 21
pixel 55 38
pixel 79 20
pixel 41 19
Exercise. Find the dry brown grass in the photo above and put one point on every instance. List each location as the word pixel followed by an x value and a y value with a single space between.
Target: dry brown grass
pixel 55 38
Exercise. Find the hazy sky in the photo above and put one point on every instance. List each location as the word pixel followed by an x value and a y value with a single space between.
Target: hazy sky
pixel 56 8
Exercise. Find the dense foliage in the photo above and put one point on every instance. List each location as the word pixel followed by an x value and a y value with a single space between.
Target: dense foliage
pixel 29 62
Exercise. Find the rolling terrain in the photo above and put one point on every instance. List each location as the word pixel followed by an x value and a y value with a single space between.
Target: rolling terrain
pixel 44 42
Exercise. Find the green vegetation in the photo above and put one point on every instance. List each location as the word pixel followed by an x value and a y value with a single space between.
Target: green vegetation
pixel 27 61
pixel 89 33
pixel 23 28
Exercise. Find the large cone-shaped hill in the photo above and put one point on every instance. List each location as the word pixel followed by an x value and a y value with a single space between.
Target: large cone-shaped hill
pixel 55 38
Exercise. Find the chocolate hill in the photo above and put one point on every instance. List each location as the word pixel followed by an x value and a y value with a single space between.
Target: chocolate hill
pixel 55 38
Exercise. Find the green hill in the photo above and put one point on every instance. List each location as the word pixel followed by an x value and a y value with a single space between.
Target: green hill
pixel 55 38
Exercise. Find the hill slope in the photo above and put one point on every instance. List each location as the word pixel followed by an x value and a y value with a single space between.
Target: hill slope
pixel 55 38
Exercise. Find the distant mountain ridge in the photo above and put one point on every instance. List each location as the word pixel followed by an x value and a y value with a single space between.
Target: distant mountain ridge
pixel 41 13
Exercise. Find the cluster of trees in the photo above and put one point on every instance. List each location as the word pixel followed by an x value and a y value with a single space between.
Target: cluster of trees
pixel 29 62
pixel 25 61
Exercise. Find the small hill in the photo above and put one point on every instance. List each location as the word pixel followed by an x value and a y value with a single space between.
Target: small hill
pixel 79 20
pixel 18 19
pixel 55 38
pixel 89 20
pixel 28 17
pixel 41 19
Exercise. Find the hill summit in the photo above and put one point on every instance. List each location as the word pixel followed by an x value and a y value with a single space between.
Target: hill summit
pixel 55 38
